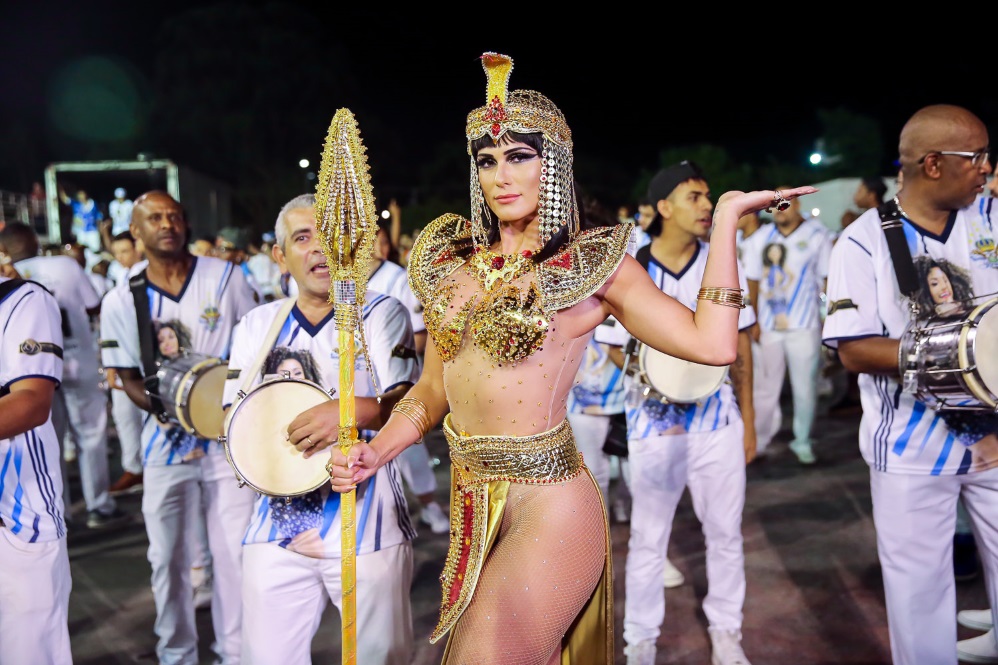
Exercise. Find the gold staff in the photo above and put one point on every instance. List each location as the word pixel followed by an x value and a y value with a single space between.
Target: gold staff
pixel 346 223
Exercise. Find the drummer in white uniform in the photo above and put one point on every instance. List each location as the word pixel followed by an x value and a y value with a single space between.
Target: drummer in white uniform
pixel 702 446
pixel 34 565
pixel 923 460
pixel 194 302
pixel 291 553
pixel 79 412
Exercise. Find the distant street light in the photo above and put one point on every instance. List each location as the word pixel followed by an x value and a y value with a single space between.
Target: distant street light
pixel 309 175
pixel 819 156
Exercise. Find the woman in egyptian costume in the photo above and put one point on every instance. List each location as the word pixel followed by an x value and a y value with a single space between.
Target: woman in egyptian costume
pixel 511 298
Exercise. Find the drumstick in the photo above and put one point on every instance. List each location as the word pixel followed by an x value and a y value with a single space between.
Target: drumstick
pixel 346 224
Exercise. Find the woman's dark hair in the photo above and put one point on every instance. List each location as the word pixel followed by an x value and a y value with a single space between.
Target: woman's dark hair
pixel 963 290
pixel 766 261
pixel 560 238
pixel 178 328
pixel 282 353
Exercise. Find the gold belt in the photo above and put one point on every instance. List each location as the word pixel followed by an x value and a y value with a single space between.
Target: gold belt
pixel 548 457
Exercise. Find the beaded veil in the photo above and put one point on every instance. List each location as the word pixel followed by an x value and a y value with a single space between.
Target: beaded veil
pixel 526 112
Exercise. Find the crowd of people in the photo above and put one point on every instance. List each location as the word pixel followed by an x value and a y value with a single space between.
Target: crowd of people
pixel 531 336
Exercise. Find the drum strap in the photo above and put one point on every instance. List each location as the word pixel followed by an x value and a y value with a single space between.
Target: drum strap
pixel 8 287
pixel 137 283
pixel 904 268
pixel 267 343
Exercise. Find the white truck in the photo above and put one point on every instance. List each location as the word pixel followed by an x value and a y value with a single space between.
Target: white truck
pixel 208 201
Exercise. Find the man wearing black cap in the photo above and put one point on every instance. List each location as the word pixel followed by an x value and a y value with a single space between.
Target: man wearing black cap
pixel 701 444
pixel 231 245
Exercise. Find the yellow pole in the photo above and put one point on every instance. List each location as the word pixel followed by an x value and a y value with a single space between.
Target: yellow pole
pixel 346 223
pixel 348 500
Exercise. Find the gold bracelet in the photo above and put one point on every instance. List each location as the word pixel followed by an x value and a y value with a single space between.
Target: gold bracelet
pixel 723 295
pixel 415 411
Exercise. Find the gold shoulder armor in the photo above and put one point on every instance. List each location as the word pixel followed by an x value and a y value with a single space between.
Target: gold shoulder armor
pixel 583 266
pixel 434 254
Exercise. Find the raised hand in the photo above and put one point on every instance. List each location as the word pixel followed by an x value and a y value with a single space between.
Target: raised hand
pixel 734 204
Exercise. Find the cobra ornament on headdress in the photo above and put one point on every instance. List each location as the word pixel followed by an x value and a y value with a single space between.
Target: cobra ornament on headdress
pixel 524 112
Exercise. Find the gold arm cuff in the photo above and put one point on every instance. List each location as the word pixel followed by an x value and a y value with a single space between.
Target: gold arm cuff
pixel 723 295
pixel 415 411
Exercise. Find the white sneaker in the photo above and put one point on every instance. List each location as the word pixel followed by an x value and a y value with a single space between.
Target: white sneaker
pixel 433 516
pixel 975 619
pixel 803 452
pixel 980 649
pixel 727 648
pixel 642 653
pixel 672 577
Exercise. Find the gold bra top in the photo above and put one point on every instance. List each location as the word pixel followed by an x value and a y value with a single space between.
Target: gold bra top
pixel 505 301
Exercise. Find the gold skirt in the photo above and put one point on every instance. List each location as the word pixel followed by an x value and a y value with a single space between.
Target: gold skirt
pixel 482 469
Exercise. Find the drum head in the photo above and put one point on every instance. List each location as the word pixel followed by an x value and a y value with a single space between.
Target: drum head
pixel 680 380
pixel 204 402
pixel 256 438
pixel 980 349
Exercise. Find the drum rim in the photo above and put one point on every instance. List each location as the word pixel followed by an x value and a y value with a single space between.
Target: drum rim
pixel 980 391
pixel 185 389
pixel 224 439
pixel 721 369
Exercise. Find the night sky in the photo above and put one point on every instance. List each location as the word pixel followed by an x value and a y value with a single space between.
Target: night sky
pixel 630 85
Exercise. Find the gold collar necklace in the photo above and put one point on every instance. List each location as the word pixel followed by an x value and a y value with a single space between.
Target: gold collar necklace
pixel 489 267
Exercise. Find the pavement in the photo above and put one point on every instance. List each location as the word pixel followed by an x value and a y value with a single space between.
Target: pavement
pixel 814 590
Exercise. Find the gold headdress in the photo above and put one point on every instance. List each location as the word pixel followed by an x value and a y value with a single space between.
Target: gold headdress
pixel 525 112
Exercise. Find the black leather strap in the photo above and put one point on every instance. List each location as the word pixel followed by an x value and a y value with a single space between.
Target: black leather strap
pixel 9 286
pixel 137 283
pixel 904 268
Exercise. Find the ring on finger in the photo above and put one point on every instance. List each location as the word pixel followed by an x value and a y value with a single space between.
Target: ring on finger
pixel 779 201
pixel 309 439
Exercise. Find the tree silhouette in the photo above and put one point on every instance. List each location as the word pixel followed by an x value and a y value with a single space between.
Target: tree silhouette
pixel 242 94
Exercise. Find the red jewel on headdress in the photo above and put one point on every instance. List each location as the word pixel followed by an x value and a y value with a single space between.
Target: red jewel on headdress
pixel 498 262
pixel 495 112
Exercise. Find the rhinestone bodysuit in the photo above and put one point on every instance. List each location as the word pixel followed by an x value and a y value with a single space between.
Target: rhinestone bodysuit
pixel 514 376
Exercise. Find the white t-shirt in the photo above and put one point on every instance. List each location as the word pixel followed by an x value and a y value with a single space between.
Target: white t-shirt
pixel 392 279
pixel 599 383
pixel 791 271
pixel 310 524
pixel 31 346
pixel 121 215
pixel 75 293
pixel 266 273
pixel 899 434
pixel 212 301
pixel 653 417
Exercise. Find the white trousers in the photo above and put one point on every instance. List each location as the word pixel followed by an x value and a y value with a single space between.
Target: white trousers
pixel 712 466
pixel 167 497
pixel 796 353
pixel 590 432
pixel 915 517
pixel 286 593
pixel 34 601
pixel 79 410
pixel 128 422
pixel 414 465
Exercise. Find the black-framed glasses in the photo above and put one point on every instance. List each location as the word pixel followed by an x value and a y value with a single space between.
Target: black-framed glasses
pixel 976 158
